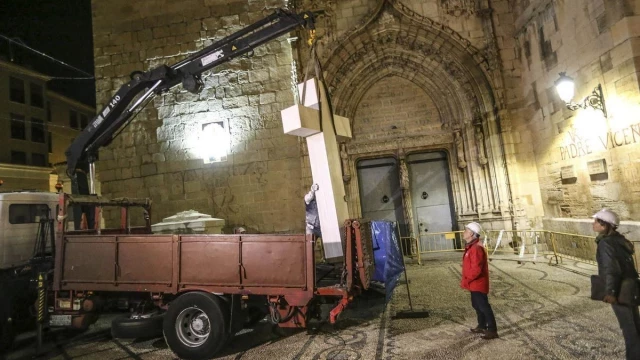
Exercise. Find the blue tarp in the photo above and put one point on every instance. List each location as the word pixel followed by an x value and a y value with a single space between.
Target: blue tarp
pixel 388 257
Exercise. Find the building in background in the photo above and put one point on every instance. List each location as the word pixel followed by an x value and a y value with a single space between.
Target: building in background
pixel 36 126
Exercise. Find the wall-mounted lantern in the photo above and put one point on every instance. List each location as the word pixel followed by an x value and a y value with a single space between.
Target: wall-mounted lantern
pixel 565 86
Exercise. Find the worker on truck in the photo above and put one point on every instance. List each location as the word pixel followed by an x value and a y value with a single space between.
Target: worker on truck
pixel 311 210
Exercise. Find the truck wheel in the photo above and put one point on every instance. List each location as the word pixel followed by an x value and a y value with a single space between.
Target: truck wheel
pixel 131 326
pixel 196 326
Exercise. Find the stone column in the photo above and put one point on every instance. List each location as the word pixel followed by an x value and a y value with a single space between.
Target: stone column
pixel 405 186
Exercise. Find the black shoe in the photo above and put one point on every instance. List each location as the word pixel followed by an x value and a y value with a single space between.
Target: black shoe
pixel 478 330
pixel 489 334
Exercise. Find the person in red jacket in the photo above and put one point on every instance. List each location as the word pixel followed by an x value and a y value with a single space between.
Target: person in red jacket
pixel 475 278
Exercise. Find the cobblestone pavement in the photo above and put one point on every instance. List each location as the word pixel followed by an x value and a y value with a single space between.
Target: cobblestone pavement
pixel 543 312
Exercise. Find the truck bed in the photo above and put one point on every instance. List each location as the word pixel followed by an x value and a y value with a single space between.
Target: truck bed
pixel 230 264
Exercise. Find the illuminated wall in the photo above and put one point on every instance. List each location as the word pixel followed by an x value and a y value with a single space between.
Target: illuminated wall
pixel 221 152
pixel 582 160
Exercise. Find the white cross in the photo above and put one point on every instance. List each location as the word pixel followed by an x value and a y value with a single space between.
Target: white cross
pixel 324 156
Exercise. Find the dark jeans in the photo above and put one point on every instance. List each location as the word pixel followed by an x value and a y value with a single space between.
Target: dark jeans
pixel 486 319
pixel 629 321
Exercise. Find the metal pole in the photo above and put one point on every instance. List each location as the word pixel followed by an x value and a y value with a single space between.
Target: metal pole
pixel 41 310
pixel 404 268
pixel 92 178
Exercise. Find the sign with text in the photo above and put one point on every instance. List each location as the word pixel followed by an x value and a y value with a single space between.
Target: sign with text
pixel 597 167
pixel 578 145
pixel 567 172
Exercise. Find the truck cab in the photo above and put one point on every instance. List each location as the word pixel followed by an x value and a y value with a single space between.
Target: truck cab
pixel 20 214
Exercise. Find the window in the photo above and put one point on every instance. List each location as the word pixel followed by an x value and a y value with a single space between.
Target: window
pixel 27 213
pixel 16 92
pixel 37 130
pixel 38 159
pixel 49 143
pixel 73 119
pixel 18 127
pixel 37 99
pixel 19 157
pixel 48 111
pixel 83 121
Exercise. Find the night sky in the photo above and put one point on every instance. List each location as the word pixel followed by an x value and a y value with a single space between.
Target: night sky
pixel 60 28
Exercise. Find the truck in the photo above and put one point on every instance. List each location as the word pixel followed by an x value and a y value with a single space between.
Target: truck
pixel 24 219
pixel 195 290
pixel 20 214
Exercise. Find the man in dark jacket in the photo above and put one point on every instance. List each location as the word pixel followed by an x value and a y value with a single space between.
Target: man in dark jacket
pixel 475 278
pixel 615 262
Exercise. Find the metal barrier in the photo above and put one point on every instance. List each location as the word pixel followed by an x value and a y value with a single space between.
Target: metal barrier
pixel 575 247
pixel 520 245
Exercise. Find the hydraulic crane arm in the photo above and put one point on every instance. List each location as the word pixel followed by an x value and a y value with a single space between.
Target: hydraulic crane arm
pixel 146 85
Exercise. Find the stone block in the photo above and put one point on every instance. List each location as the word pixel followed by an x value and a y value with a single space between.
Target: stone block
pixel 189 222
pixel 154 181
pixel 107 175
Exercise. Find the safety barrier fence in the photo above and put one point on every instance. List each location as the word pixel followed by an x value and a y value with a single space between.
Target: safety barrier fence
pixel 520 245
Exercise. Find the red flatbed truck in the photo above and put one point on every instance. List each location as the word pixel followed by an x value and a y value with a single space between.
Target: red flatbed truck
pixel 199 288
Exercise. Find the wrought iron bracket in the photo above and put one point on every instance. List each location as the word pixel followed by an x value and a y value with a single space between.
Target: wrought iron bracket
pixel 594 100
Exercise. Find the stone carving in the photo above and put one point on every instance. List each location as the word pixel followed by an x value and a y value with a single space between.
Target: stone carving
pixel 399 10
pixel 460 149
pixel 365 56
pixel 346 174
pixel 385 18
pixel 407 206
pixel 482 158
pixel 491 55
pixel 404 175
pixel 458 7
pixel 391 145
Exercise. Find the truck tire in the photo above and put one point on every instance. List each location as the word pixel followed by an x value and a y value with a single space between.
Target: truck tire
pixel 125 327
pixel 196 325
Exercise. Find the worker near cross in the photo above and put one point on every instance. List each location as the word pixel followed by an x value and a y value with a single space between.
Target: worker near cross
pixel 475 278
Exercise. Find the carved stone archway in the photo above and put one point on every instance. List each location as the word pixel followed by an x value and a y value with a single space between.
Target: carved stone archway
pixel 395 41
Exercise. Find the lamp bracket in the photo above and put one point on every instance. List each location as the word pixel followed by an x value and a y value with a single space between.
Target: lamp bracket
pixel 594 100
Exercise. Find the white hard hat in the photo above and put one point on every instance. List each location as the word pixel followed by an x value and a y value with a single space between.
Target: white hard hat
pixel 608 216
pixel 475 227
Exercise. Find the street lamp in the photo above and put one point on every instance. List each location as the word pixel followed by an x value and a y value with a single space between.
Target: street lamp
pixel 565 86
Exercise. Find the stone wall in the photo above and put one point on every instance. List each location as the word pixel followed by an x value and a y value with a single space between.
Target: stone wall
pixel 583 161
pixel 393 109
pixel 158 155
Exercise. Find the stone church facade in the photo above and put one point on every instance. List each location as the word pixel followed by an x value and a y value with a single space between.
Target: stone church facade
pixel 470 79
